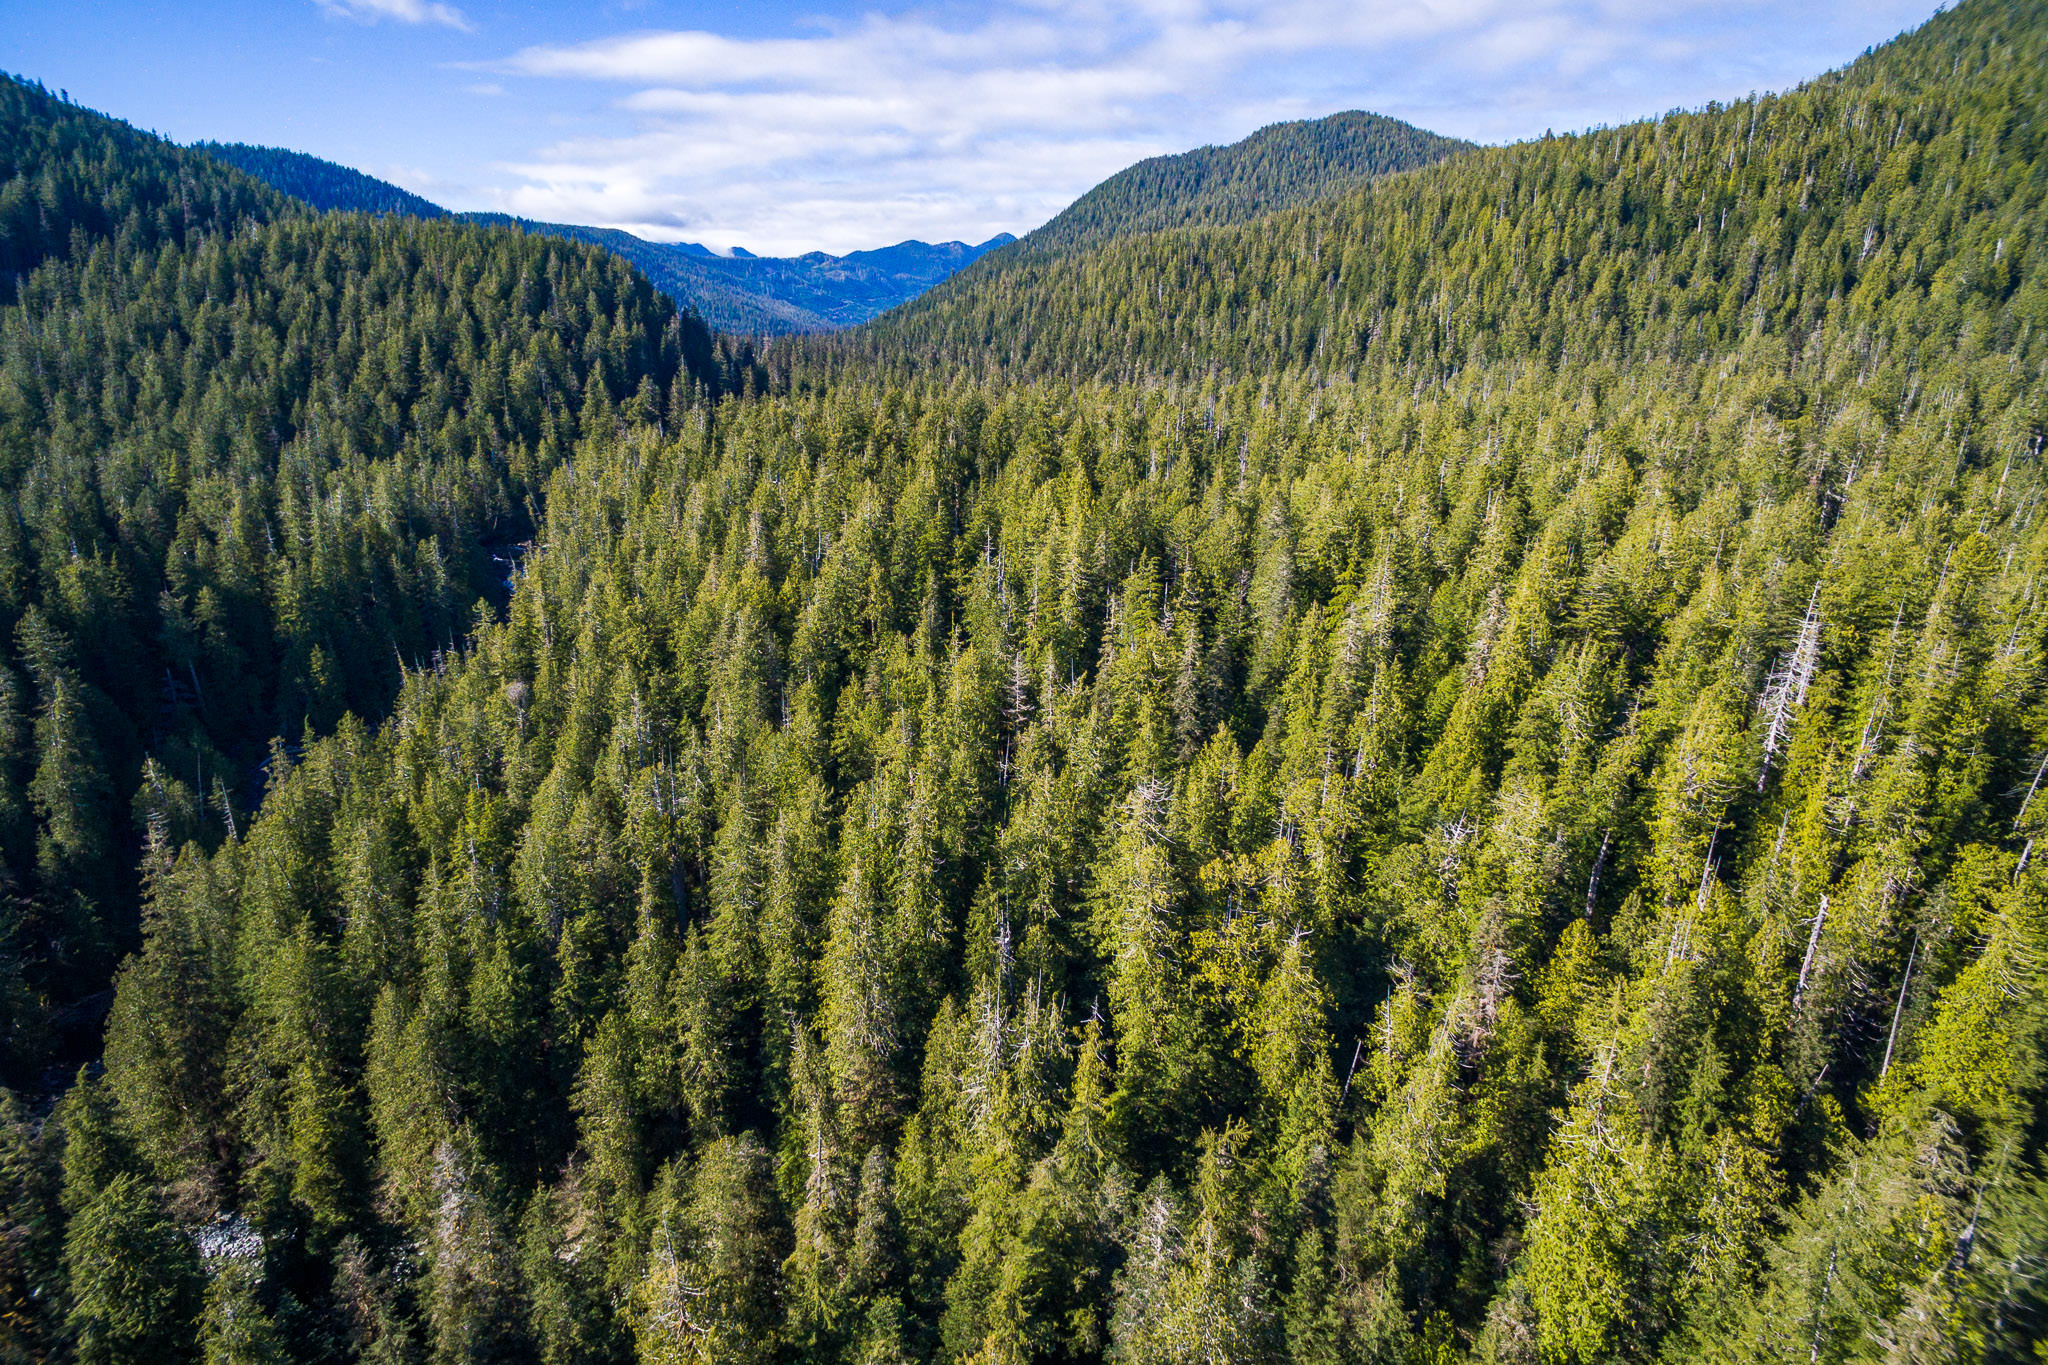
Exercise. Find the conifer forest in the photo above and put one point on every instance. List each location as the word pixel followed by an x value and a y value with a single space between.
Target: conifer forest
pixel 1439 764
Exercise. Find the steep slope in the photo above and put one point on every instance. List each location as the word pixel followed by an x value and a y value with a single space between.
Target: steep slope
pixel 254 463
pixel 1522 852
pixel 1282 165
pixel 1278 167
pixel 65 170
pixel 323 184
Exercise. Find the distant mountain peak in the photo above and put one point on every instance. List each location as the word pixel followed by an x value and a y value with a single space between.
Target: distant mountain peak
pixel 1277 167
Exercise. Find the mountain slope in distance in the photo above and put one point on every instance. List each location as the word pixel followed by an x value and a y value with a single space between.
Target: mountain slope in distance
pixel 1647 219
pixel 1281 166
pixel 1277 167
pixel 325 185
pixel 769 295
pixel 741 293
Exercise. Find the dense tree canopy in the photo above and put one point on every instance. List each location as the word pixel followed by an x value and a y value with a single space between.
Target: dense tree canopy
pixel 1505 838
pixel 69 175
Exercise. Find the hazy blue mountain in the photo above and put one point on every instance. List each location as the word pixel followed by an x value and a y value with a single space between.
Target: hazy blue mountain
pixel 740 292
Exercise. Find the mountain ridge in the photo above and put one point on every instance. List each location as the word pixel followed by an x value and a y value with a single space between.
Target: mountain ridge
pixel 738 292
pixel 325 185
pixel 1314 284
pixel 746 293
pixel 1275 167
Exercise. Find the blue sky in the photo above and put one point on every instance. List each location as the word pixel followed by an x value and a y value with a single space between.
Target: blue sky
pixel 785 127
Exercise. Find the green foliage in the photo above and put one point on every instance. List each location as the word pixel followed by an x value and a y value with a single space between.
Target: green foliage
pixel 135 1284
pixel 32 1286
pixel 1520 850
pixel 236 1328
pixel 253 472
pixel 70 177
pixel 710 1291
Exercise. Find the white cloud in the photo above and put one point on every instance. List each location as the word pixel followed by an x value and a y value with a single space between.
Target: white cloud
pixel 403 11
pixel 944 123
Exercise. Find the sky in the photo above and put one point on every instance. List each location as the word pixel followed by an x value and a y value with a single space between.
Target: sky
pixel 787 127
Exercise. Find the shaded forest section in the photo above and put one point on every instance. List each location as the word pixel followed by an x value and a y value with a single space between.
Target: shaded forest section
pixel 326 186
pixel 253 470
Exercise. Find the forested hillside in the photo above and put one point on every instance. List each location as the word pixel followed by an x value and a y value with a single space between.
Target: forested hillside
pixel 1461 788
pixel 1894 194
pixel 323 184
pixel 253 468
pixel 1278 167
pixel 64 170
